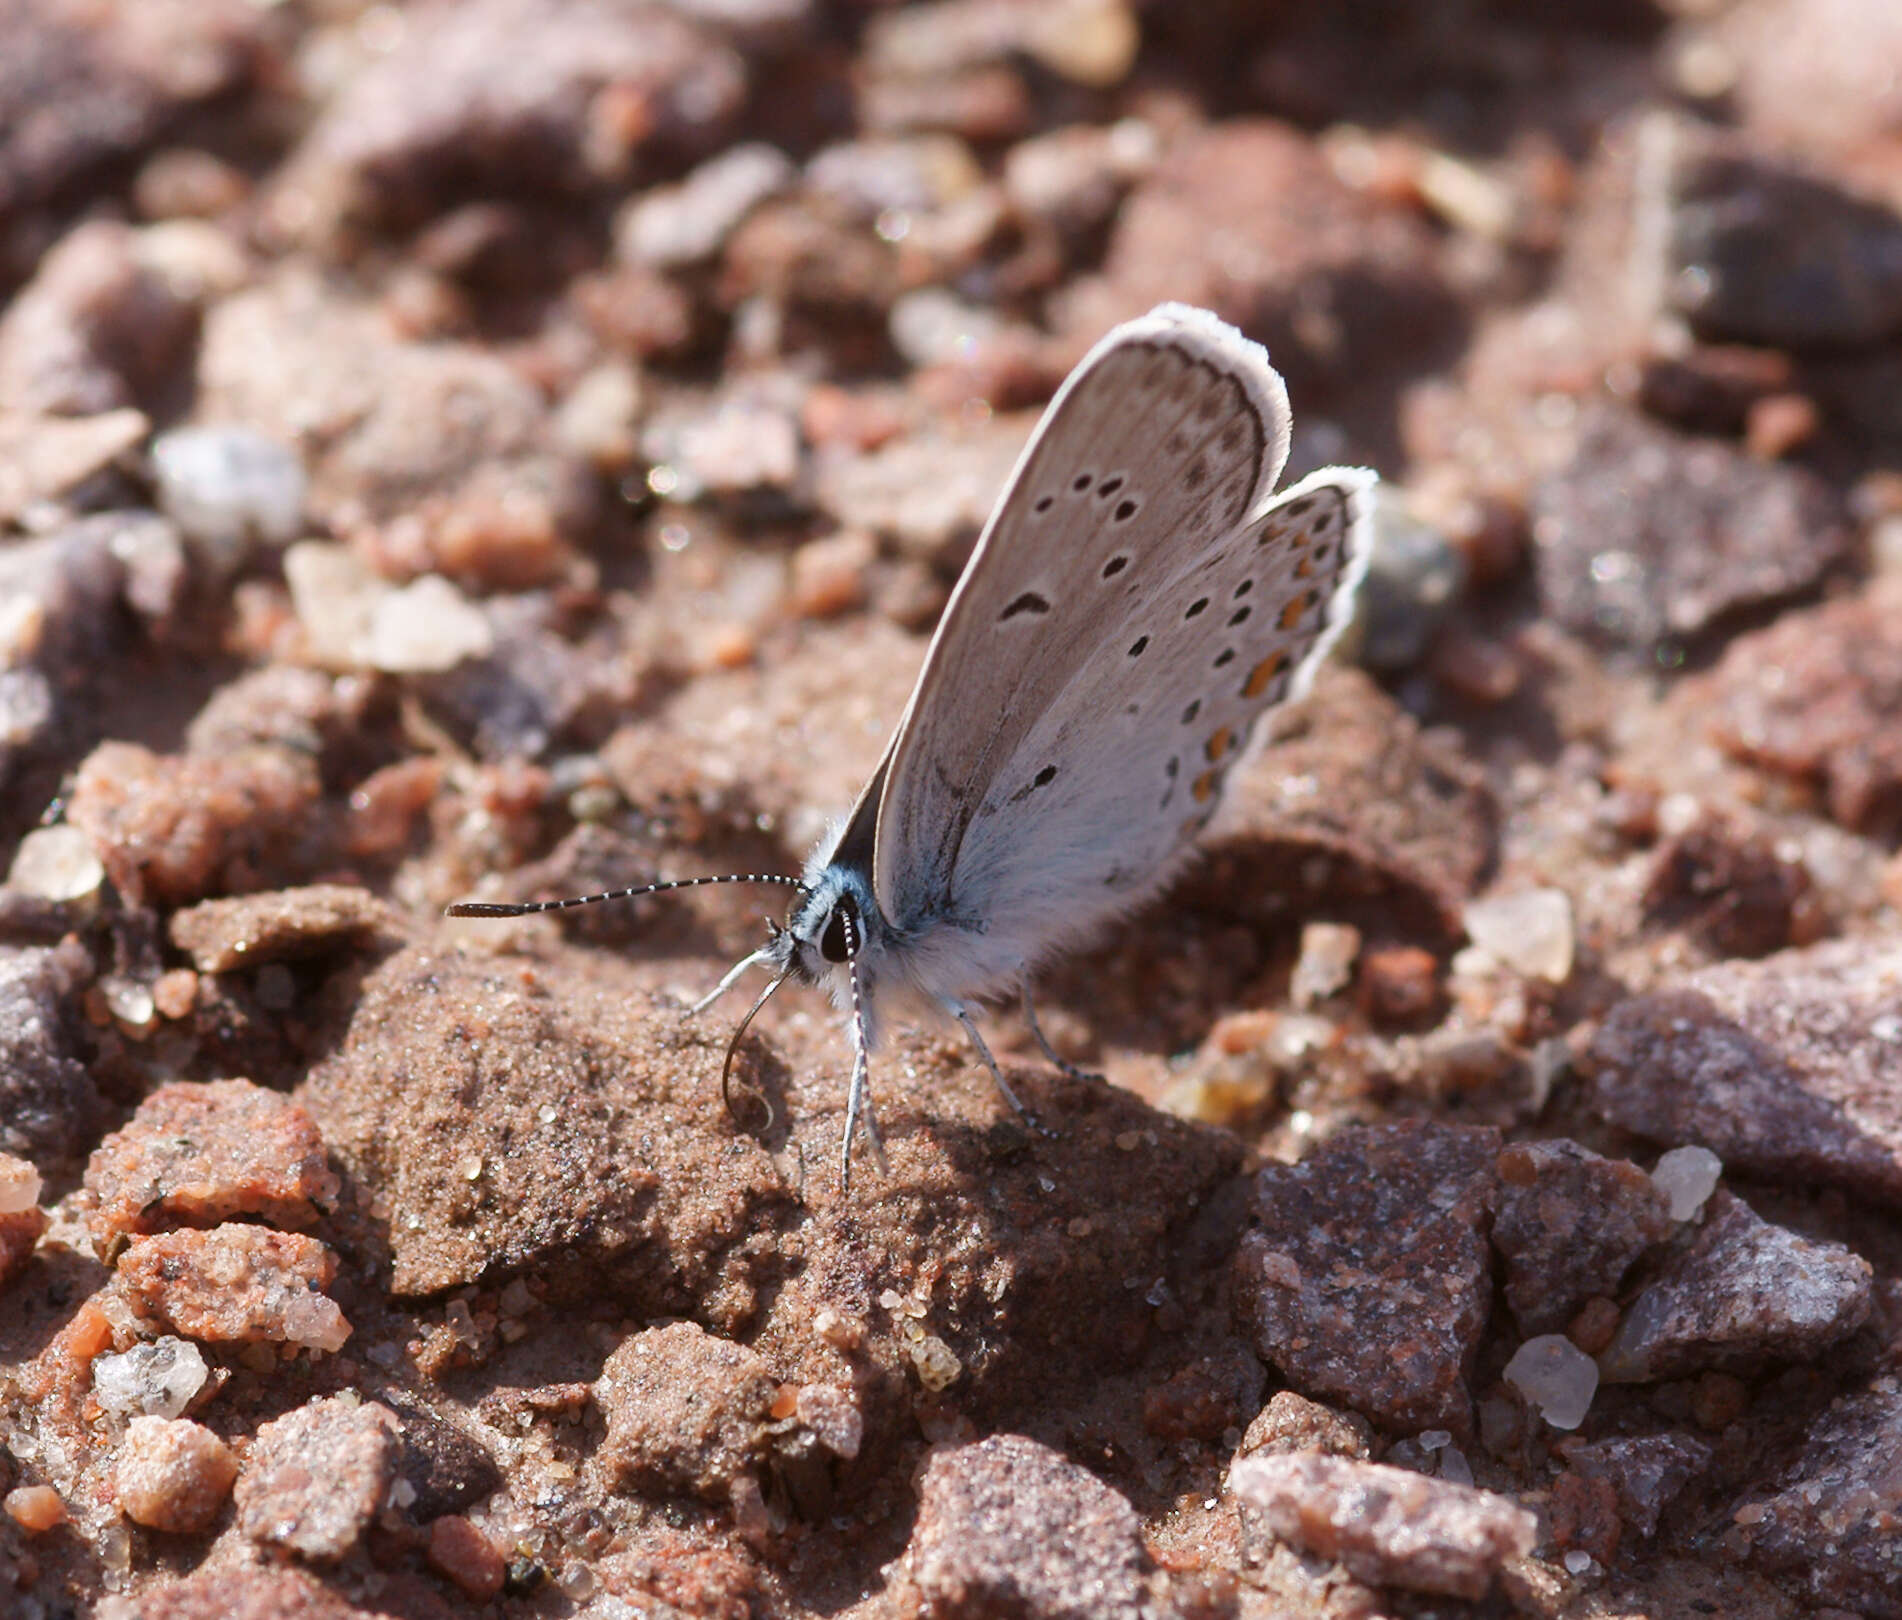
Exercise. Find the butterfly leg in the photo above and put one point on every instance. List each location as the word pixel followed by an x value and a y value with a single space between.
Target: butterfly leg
pixel 757 959
pixel 962 1014
pixel 858 1102
pixel 1062 1065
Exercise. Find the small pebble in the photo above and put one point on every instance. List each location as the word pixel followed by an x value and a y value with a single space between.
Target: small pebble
pixel 828 576
pixel 35 1508
pixel 1555 1376
pixel 175 993
pixel 1414 577
pixel 19 1185
pixel 159 1379
pixel 1530 932
pixel 466 1556
pixel 1780 423
pixel 228 488
pixel 173 1474
pixel 1326 963
pixel 1687 1176
pixel 56 863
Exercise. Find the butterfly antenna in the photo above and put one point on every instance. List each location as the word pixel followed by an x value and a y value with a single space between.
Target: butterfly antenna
pixel 858 1099
pixel 523 908
pixel 733 1047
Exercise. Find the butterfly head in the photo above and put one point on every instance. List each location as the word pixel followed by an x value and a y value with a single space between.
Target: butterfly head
pixel 828 928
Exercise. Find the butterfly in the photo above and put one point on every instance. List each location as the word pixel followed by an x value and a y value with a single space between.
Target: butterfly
pixel 1138 599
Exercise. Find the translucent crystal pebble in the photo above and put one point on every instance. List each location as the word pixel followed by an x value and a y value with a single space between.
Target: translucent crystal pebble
pixel 228 488
pixel 1687 1176
pixel 56 863
pixel 157 1379
pixel 1555 1376
pixel 19 1185
pixel 1530 932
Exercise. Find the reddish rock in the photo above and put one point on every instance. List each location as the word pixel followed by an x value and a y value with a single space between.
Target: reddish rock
pixel 1247 218
pixel 1585 1515
pixel 1366 1279
pixel 1646 1472
pixel 1009 1527
pixel 173 829
pixel 1291 1422
pixel 1207 1398
pixel 1825 1523
pixel 87 85
pixel 684 1412
pixel 1388 1526
pixel 94 330
pixel 466 1556
pixel 1814 74
pixel 1743 1296
pixel 232 1592
pixel 1646 535
pixel 1353 810
pixel 173 1474
pixel 1398 986
pixel 1735 892
pixel 1570 1225
pixel 438 455
pixel 1788 1068
pixel 221 936
pixel 236 1284
pixel 20 1233
pixel 509 96
pixel 315 1479
pixel 195 1155
pixel 50 1108
pixel 1818 696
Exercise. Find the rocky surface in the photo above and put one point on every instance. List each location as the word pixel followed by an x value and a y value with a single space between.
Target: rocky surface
pixel 522 450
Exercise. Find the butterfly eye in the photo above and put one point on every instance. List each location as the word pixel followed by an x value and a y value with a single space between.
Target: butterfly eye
pixel 832 941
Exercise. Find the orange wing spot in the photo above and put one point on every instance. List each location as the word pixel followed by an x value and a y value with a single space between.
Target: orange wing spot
pixel 1291 614
pixel 1304 569
pixel 1219 744
pixel 1193 826
pixel 1204 787
pixel 1264 672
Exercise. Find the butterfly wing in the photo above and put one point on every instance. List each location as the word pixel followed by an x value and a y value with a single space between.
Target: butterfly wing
pixel 1024 796
pixel 1113 782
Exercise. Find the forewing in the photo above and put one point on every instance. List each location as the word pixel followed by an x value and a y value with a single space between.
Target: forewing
pixel 1114 779
pixel 1155 451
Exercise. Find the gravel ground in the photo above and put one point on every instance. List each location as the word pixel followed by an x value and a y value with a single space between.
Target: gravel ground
pixel 519 447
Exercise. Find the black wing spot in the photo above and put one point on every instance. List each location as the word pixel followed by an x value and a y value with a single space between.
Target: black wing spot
pixel 1225 656
pixel 1081 482
pixel 1115 566
pixel 1199 605
pixel 1044 503
pixel 1189 714
pixel 1125 510
pixel 1172 768
pixel 1196 474
pixel 1300 509
pixel 1137 646
pixel 1029 602
pixel 1320 553
pixel 1244 588
pixel 1042 779
pixel 1109 487
pixel 1239 616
